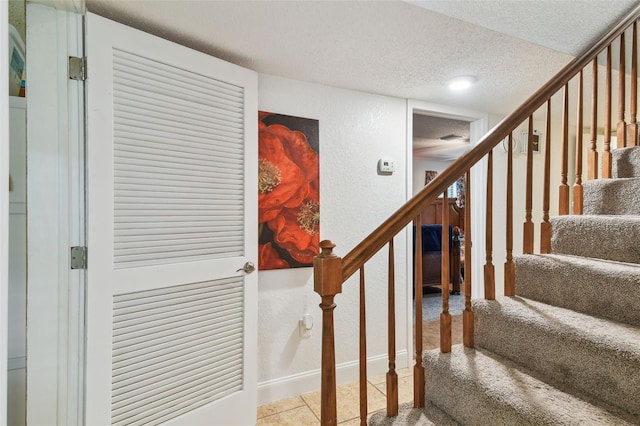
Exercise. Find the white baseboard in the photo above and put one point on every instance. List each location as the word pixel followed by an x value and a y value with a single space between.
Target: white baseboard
pixel 309 381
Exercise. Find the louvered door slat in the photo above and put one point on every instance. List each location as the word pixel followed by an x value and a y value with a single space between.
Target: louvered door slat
pixel 137 110
pixel 164 80
pixel 139 131
pixel 149 133
pixel 142 361
pixel 149 361
pixel 161 338
pixel 140 103
pixel 168 233
pixel 147 385
pixel 183 80
pixel 213 301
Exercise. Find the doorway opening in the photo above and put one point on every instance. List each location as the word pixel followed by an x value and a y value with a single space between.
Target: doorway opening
pixel 436 137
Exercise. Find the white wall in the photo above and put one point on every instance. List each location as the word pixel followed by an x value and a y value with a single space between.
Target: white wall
pixel 422 164
pixel 356 129
pixel 519 194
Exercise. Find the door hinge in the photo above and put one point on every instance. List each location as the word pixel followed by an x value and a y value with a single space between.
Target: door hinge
pixel 77 68
pixel 78 257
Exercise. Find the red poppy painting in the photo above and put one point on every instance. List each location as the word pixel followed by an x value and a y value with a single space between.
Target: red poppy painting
pixel 288 191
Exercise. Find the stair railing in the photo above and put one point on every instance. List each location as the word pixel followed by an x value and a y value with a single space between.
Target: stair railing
pixel 331 271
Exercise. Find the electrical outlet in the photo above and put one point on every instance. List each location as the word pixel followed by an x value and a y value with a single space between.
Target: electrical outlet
pixel 305 325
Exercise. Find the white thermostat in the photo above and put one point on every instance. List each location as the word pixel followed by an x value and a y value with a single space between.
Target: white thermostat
pixel 386 166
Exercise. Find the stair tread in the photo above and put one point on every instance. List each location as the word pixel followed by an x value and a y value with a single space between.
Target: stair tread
pixel 620 196
pixel 430 415
pixel 591 286
pixel 591 236
pixel 626 162
pixel 567 323
pixel 573 351
pixel 503 392
pixel 589 263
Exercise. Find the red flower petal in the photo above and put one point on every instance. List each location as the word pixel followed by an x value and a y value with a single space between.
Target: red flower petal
pixel 293 166
pixel 268 258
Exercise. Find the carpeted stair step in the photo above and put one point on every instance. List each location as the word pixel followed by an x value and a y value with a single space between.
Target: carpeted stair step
pixel 430 415
pixel 570 350
pixel 603 237
pixel 596 287
pixel 625 162
pixel 612 196
pixel 476 387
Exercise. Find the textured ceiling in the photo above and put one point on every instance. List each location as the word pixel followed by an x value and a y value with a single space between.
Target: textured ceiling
pixel 439 138
pixel 394 48
pixel 568 26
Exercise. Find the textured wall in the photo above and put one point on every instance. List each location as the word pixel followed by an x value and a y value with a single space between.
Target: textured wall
pixel 356 129
pixel 422 164
pixel 17 16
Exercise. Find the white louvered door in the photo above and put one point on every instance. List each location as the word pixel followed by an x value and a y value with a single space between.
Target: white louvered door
pixel 172 213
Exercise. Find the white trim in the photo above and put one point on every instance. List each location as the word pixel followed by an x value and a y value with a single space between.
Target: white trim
pixel 55 338
pixel 479 122
pixel 17 362
pixel 309 381
pixel 479 211
pixel 4 205
pixel 75 6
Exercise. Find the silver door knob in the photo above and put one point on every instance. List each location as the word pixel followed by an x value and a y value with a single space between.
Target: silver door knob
pixel 248 268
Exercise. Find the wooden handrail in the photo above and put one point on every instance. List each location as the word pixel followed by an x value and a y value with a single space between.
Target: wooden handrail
pixel 403 216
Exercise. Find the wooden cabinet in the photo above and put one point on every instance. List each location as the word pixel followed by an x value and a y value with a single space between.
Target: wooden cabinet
pixel 432 259
pixel 432 215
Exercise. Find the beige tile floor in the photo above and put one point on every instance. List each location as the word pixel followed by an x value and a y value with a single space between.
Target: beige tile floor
pixel 304 410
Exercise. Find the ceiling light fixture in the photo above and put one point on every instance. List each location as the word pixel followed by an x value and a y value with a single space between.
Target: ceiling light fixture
pixel 461 83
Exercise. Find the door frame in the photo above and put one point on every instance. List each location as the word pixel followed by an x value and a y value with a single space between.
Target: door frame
pixel 55 217
pixel 4 206
pixel 479 126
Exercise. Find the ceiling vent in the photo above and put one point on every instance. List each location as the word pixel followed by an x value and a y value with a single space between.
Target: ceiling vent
pixel 450 137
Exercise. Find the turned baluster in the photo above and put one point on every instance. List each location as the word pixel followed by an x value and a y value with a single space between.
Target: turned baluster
pixel 563 190
pixel 467 315
pixel 363 352
pixel 392 376
pixel 489 270
pixel 545 226
pixel 445 316
pixel 509 266
pixel 633 125
pixel 527 244
pixel 327 282
pixel 622 126
pixel 606 155
pixel 592 160
pixel 418 368
pixel 577 186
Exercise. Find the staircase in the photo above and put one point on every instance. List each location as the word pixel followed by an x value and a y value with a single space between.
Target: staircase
pixel 566 349
pixel 562 347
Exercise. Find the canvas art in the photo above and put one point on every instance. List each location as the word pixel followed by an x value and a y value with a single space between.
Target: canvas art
pixel 288 191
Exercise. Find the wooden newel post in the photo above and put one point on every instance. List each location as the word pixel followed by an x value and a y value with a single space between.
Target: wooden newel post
pixel 327 282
